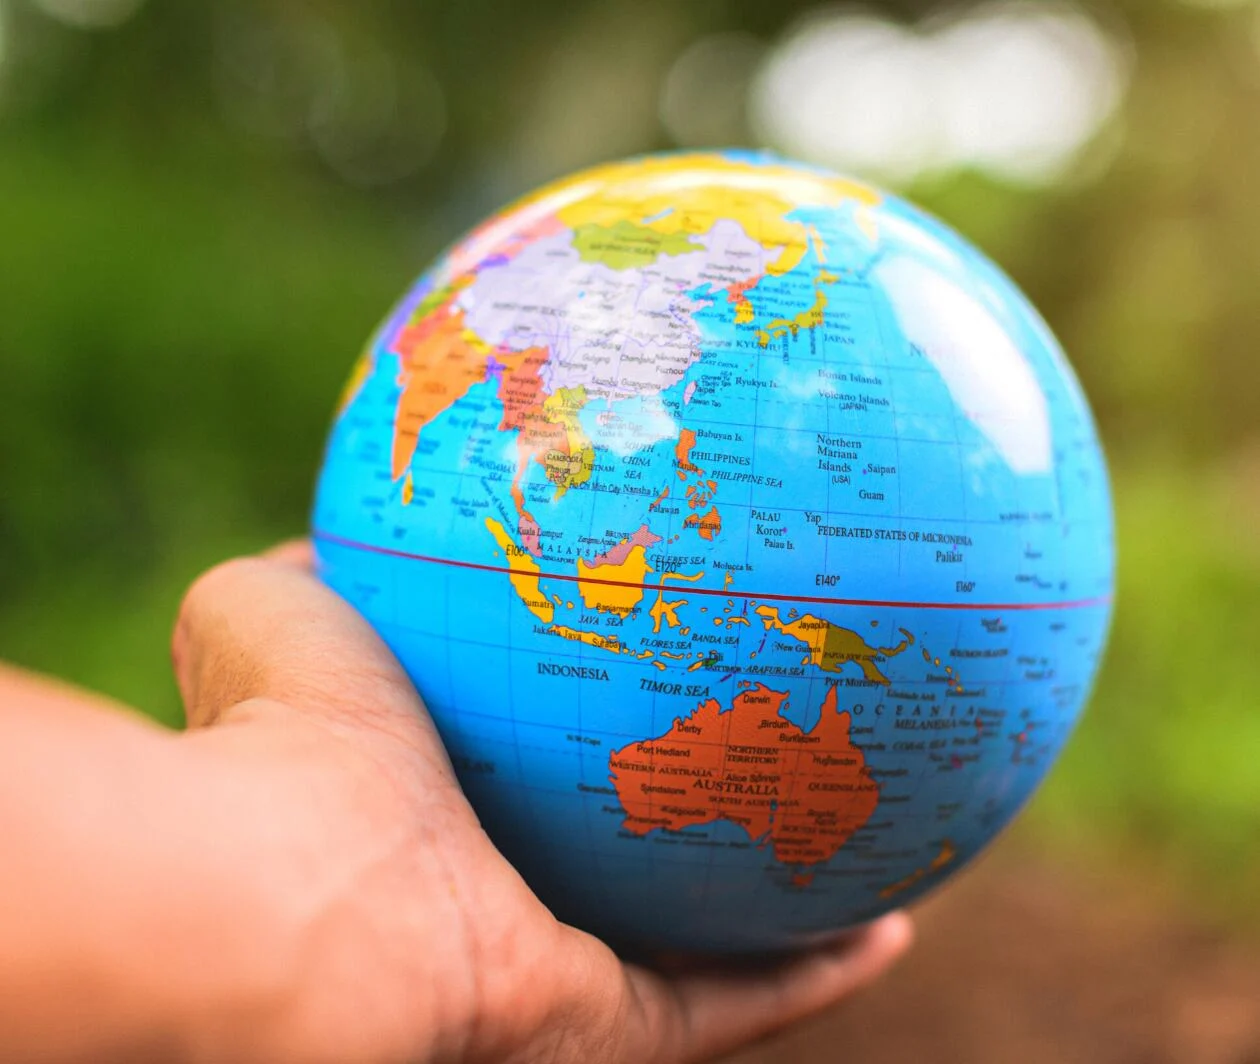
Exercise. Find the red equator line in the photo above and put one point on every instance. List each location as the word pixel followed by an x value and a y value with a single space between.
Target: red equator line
pixel 572 578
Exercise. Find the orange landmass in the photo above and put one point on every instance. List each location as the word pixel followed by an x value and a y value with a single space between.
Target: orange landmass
pixel 521 386
pixel 738 294
pixel 801 793
pixel 547 428
pixel 700 493
pixel 441 359
pixel 521 391
pixel 682 452
pixel 709 524
pixel 697 499
pixel 735 292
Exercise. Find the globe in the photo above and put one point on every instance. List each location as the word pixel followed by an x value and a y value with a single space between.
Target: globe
pixel 746 534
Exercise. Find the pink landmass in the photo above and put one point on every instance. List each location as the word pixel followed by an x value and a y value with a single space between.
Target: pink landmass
pixel 618 555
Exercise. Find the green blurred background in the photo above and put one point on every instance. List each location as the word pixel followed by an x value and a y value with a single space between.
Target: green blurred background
pixel 206 207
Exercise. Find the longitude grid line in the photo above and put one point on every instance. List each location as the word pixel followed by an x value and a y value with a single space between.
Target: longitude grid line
pixel 735 692
pixel 581 651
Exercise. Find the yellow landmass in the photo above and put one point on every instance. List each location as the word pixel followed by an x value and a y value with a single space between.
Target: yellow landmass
pixel 524 573
pixel 831 647
pixel 665 611
pixel 686 194
pixel 808 319
pixel 408 489
pixel 358 377
pixel 668 611
pixel 866 221
pixel 568 468
pixel 820 245
pixel 620 597
pixel 604 642
pixel 942 860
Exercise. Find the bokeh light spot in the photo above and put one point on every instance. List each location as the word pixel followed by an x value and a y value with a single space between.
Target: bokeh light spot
pixel 1220 5
pixel 294 78
pixel 848 90
pixel 1015 89
pixel 379 122
pixel 90 14
pixel 269 71
pixel 704 95
pixel 1025 87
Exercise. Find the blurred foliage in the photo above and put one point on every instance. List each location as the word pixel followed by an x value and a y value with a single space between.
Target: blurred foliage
pixel 1164 768
pixel 194 242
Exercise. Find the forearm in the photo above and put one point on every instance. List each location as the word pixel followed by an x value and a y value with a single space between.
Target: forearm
pixel 107 913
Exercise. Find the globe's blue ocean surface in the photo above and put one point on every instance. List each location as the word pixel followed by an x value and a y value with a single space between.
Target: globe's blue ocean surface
pixel 746 533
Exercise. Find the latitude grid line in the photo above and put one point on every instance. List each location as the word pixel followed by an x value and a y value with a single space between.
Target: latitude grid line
pixel 766 596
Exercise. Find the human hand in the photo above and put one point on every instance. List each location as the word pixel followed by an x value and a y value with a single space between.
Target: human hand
pixel 380 923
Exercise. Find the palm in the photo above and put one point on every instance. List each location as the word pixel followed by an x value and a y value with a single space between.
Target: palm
pixel 429 944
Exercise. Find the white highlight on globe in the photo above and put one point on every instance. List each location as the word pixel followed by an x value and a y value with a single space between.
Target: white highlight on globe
pixel 1013 88
pixel 987 375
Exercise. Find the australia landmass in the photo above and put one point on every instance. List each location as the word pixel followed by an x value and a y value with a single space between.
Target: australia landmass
pixel 801 793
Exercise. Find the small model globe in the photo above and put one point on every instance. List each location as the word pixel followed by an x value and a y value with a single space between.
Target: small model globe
pixel 746 534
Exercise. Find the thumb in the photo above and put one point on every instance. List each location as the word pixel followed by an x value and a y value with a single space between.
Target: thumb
pixel 265 630
pixel 698 1016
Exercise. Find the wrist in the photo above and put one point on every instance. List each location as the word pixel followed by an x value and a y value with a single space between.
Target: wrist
pixel 285 904
pixel 119 940
pixel 195 944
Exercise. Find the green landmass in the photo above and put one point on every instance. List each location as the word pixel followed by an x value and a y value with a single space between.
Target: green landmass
pixel 625 246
